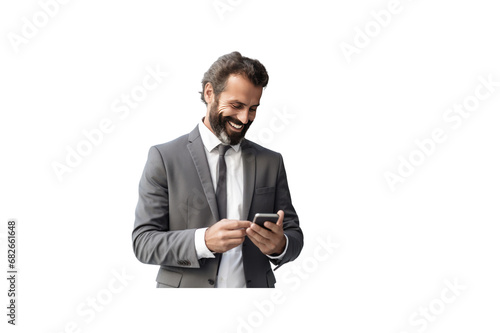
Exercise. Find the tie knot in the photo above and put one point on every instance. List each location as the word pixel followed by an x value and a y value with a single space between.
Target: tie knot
pixel 223 149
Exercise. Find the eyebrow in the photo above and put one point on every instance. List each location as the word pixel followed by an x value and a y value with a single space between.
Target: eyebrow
pixel 236 101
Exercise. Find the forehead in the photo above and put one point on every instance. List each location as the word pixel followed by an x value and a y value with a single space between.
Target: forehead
pixel 239 88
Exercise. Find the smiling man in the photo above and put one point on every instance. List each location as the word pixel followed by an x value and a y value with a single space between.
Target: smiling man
pixel 198 193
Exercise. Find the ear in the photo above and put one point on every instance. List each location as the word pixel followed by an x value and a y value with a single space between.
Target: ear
pixel 208 93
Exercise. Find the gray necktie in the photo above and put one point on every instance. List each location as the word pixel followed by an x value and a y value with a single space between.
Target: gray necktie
pixel 221 192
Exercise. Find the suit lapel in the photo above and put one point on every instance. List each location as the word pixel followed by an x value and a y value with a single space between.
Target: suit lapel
pixel 248 158
pixel 197 151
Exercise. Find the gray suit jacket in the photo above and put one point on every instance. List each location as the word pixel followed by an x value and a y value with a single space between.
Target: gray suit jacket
pixel 176 196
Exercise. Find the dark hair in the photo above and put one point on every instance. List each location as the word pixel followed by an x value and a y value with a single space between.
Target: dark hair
pixel 233 63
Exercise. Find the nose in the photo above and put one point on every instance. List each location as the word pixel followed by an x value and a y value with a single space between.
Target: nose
pixel 243 116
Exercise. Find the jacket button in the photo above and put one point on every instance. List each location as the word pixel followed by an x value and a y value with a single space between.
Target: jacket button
pixel 211 282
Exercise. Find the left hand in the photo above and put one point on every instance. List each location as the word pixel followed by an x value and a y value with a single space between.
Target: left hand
pixel 269 242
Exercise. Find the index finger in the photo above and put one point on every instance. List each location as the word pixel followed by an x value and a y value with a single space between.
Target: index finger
pixel 237 224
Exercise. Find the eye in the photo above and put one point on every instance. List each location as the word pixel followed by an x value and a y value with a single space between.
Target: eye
pixel 237 106
pixel 253 110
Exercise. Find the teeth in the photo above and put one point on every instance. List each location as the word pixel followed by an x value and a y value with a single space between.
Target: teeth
pixel 235 126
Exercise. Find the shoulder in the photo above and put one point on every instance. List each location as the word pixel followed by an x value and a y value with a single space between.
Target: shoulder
pixel 178 144
pixel 174 144
pixel 260 151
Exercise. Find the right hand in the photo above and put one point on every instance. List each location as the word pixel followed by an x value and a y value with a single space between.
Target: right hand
pixel 225 235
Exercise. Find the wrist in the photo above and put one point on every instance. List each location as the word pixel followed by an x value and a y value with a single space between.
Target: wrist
pixel 202 250
pixel 280 248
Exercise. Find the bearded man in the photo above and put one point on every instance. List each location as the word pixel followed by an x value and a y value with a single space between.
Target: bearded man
pixel 198 193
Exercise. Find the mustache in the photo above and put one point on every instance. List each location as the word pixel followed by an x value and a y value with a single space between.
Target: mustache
pixel 234 121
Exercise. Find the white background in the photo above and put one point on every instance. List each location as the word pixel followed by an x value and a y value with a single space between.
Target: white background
pixel 347 124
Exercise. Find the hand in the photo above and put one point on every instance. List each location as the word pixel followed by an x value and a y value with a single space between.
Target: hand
pixel 272 241
pixel 225 235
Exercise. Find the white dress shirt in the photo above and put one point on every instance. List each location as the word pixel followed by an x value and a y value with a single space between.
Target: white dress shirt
pixel 231 273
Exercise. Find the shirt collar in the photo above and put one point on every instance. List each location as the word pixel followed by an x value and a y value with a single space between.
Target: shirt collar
pixel 210 141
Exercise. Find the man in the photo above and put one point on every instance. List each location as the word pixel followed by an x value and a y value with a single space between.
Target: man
pixel 198 192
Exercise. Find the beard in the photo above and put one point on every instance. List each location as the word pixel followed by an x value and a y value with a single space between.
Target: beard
pixel 218 123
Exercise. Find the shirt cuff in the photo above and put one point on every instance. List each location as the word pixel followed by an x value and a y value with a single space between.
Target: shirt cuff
pixel 202 250
pixel 282 254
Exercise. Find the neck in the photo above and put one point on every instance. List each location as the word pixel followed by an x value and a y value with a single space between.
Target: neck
pixel 207 124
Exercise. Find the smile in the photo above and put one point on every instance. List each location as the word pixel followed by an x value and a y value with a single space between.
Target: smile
pixel 234 125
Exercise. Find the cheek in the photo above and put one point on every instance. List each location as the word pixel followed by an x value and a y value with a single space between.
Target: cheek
pixel 222 109
pixel 227 111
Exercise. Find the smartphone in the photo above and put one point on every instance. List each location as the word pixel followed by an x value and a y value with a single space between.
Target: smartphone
pixel 260 218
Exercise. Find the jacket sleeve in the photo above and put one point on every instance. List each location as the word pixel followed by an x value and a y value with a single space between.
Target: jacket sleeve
pixel 153 242
pixel 291 226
